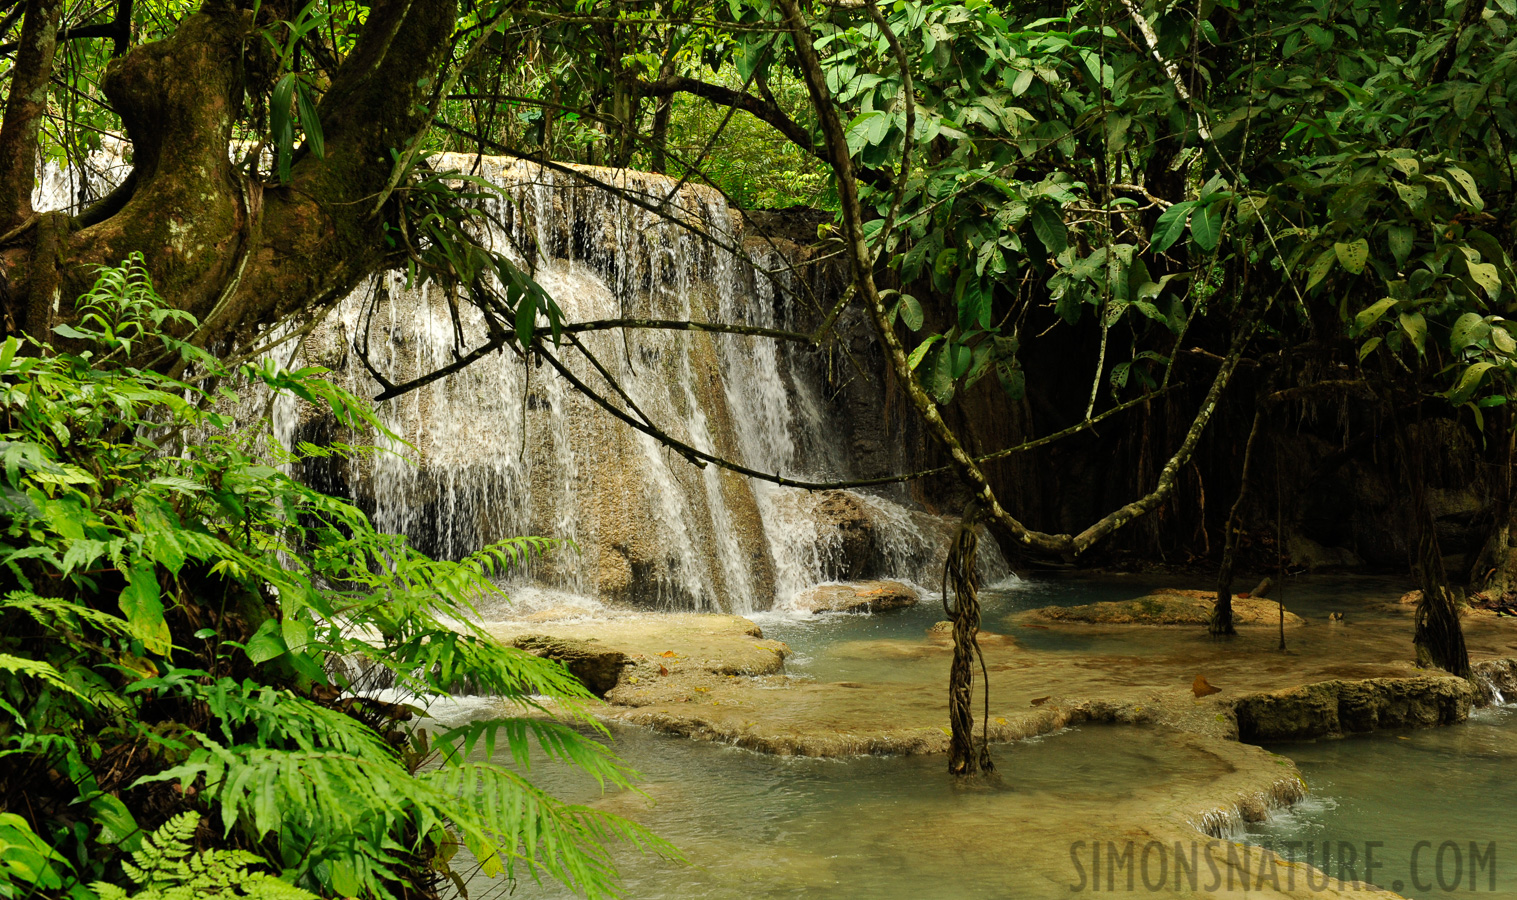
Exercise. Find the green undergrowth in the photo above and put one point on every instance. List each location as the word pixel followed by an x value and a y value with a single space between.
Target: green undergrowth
pixel 171 604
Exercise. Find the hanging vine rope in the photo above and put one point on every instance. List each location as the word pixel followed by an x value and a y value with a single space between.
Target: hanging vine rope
pixel 959 572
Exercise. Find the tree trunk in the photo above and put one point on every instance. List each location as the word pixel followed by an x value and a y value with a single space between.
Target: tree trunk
pixel 1437 634
pixel 234 251
pixel 1222 613
pixel 1438 637
pixel 24 106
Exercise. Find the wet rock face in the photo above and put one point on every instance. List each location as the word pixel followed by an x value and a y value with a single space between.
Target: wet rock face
pixel 597 667
pixel 1352 509
pixel 860 597
pixel 1330 708
pixel 1495 681
pixel 843 518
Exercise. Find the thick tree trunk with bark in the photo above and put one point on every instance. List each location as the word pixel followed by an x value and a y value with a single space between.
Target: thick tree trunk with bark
pixel 24 106
pixel 234 250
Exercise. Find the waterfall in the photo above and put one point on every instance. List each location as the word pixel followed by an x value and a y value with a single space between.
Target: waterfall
pixel 507 447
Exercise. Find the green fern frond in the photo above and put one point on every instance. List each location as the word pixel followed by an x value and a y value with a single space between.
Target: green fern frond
pixel 168 868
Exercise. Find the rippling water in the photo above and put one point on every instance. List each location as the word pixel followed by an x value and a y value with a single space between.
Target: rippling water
pixel 1418 794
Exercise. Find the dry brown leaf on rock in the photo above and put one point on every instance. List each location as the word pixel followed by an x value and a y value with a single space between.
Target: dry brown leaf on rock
pixel 1201 688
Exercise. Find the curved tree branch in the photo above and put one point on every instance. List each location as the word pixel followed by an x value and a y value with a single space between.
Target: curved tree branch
pixel 760 108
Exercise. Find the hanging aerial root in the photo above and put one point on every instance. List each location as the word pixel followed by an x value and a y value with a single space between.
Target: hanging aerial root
pixel 959 573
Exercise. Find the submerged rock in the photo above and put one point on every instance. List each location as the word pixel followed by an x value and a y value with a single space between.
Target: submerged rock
pixel 597 667
pixel 857 597
pixel 1330 708
pixel 1167 607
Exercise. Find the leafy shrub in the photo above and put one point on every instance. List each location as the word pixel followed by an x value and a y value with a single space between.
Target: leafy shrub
pixel 169 603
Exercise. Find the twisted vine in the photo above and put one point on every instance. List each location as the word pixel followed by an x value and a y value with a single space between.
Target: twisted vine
pixel 959 572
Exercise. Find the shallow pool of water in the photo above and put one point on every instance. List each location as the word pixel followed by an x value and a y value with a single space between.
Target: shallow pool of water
pixel 1414 796
pixel 884 828
pixel 814 640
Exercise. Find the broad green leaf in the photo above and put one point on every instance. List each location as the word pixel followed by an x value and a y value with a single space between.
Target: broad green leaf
pixel 266 643
pixel 282 124
pixel 117 825
pixel 1415 327
pixel 1048 225
pixel 1413 195
pixel 1206 226
pixel 1322 265
pixel 936 374
pixel 911 312
pixel 1469 329
pixel 1401 239
pixel 310 122
pixel 915 359
pixel 1409 166
pixel 1468 183
pixel 1503 339
pixel 1353 255
pixel 1469 382
pixel 974 307
pixel 1485 275
pixel 1171 225
pixel 142 606
pixel 1372 314
pixel 526 319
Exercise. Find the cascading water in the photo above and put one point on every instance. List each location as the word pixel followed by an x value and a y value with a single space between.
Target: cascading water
pixel 507 447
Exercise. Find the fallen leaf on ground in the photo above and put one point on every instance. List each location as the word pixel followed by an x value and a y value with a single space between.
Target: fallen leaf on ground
pixel 668 654
pixel 1201 688
pixel 662 670
pixel 1039 701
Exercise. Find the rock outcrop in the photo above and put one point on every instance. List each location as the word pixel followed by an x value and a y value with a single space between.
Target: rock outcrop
pixel 1330 708
pixel 1167 607
pixel 856 597
pixel 597 666
pixel 1495 681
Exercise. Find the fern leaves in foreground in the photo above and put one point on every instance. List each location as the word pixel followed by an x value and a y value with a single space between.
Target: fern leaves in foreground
pixel 171 608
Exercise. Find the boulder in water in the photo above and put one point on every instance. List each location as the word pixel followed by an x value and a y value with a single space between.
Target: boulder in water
pixel 857 597
pixel 597 667
pixel 1345 707
pixel 1167 607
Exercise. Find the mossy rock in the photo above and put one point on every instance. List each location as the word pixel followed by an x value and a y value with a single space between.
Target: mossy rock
pixel 1330 708
pixel 597 667
pixel 1167 607
pixel 857 597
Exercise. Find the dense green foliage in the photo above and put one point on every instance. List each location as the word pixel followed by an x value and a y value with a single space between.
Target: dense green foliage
pixel 172 603
pixel 1145 166
pixel 1335 159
